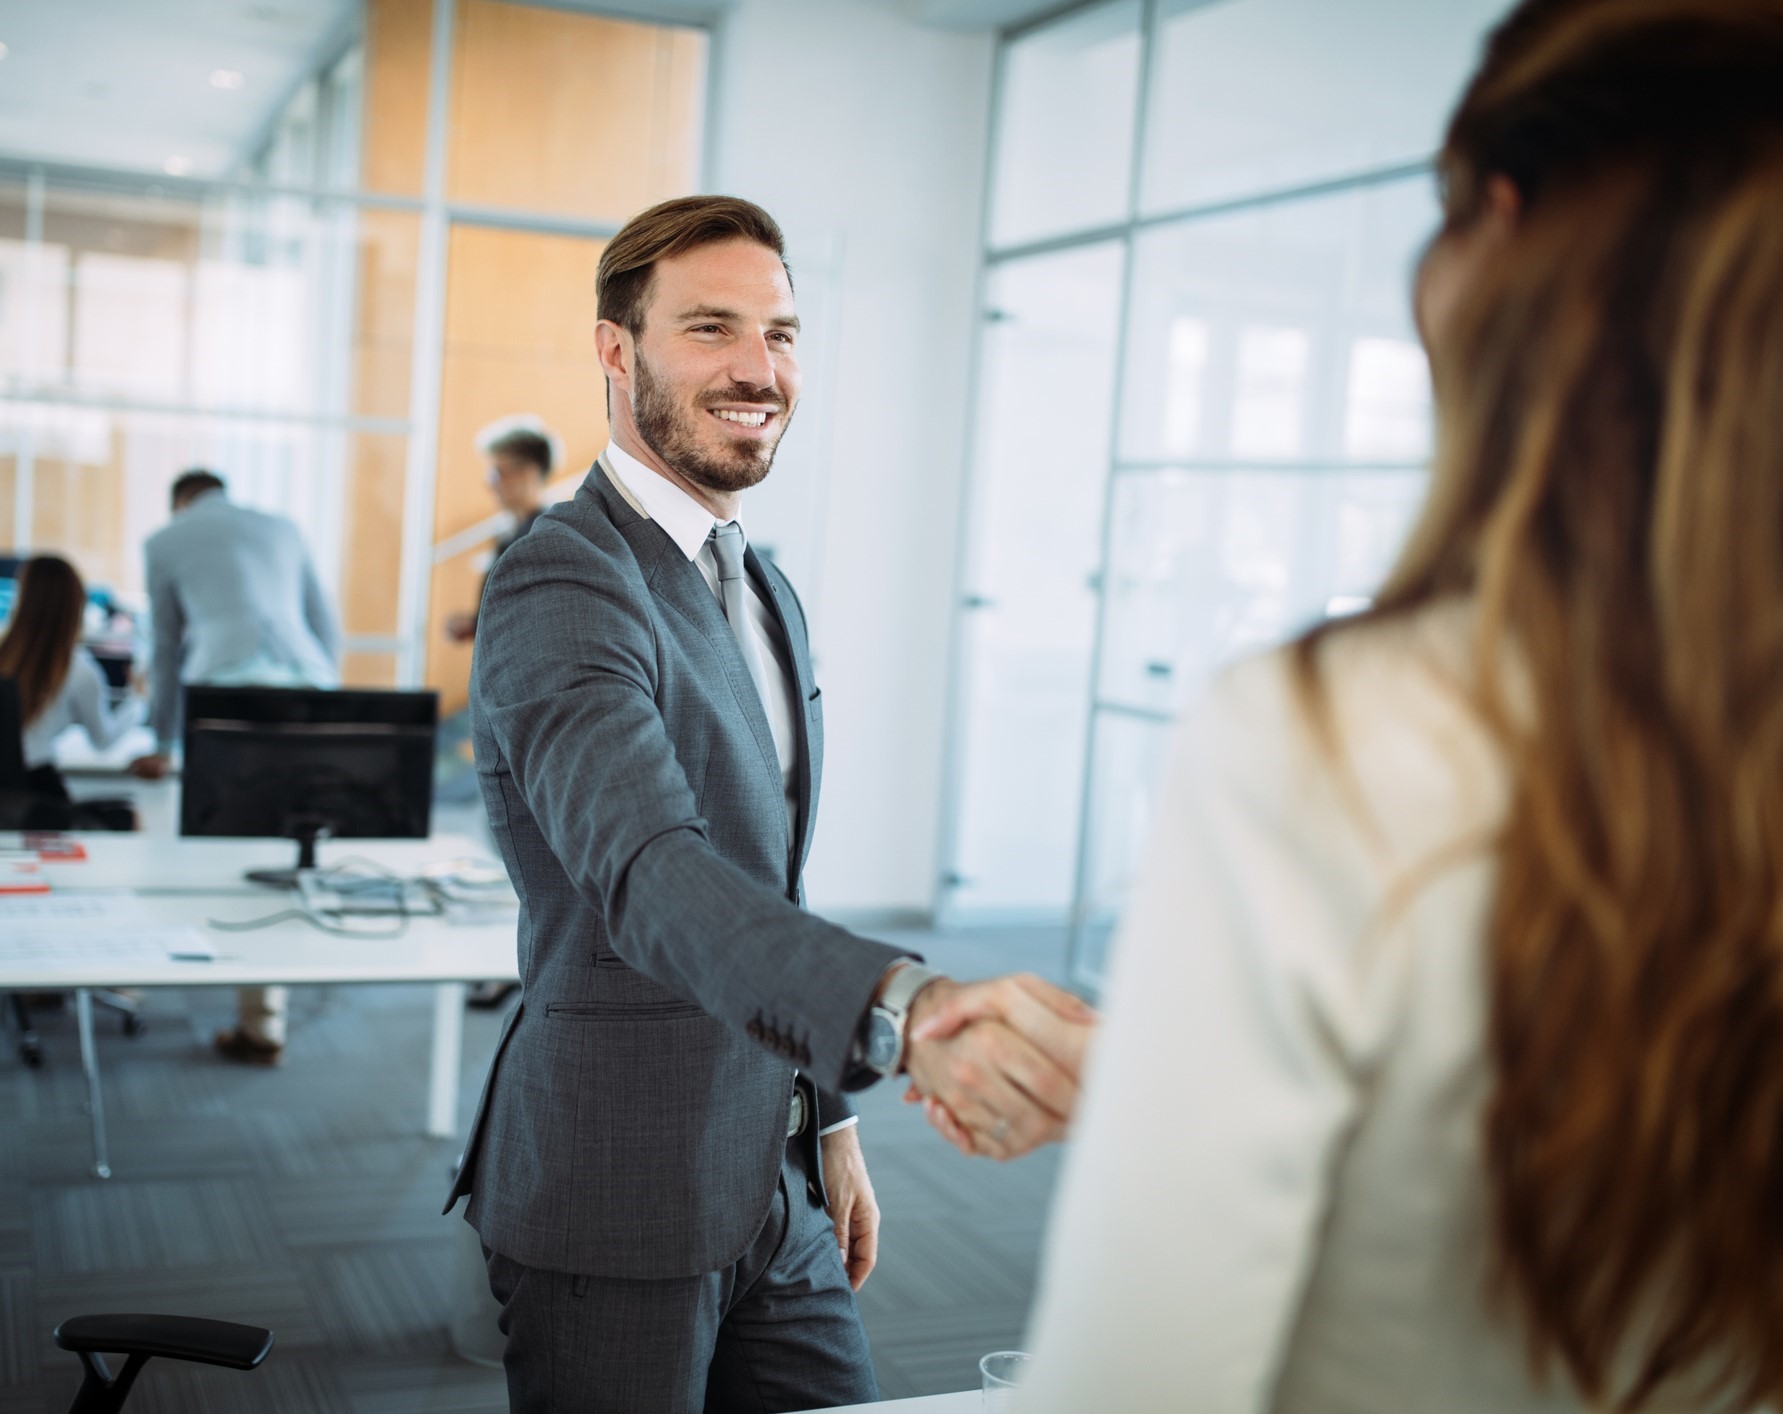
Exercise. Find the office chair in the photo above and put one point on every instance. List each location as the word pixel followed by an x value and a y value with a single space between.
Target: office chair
pixel 23 809
pixel 141 1338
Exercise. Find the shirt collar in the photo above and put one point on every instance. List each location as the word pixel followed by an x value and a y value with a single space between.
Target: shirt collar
pixel 686 521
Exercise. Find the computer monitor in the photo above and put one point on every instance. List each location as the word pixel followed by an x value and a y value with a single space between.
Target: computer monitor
pixel 306 764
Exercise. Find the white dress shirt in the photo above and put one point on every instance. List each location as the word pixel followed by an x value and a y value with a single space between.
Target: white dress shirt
pixel 1275 1198
pixel 690 526
pixel 81 701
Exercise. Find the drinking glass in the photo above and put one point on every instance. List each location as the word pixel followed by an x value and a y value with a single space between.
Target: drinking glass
pixel 1004 1371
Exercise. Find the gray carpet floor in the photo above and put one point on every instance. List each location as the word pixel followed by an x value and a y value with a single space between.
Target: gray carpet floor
pixel 306 1200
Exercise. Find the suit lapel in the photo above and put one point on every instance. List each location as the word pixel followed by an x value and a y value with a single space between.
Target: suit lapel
pixel 678 583
pixel 798 650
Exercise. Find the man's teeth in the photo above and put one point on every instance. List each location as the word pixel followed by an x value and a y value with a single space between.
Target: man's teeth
pixel 747 419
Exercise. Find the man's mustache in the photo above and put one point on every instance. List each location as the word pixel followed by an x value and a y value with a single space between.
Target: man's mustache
pixel 743 393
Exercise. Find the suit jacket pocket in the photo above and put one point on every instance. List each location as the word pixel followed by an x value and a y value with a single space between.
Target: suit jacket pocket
pixel 590 1011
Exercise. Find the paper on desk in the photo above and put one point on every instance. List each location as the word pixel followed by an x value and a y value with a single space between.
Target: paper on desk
pixel 129 946
pixel 69 908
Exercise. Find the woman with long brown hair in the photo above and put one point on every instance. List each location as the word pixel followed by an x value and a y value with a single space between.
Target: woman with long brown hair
pixel 59 683
pixel 1443 1064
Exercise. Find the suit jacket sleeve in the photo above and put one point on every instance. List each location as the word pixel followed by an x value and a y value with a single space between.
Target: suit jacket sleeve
pixel 566 682
pixel 169 630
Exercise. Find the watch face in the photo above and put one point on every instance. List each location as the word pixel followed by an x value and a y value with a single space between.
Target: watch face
pixel 882 1042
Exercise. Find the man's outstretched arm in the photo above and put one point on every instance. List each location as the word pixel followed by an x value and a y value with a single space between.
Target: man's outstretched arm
pixel 566 680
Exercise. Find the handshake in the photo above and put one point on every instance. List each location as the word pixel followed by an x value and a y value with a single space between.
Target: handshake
pixel 995 1065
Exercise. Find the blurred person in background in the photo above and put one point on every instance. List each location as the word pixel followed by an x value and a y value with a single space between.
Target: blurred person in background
pixel 521 453
pixel 233 600
pixel 60 684
pixel 1457 968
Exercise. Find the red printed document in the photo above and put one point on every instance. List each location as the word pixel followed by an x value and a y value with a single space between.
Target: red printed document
pixel 22 875
pixel 51 846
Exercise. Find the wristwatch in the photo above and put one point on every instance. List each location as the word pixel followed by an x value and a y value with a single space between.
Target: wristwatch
pixel 881 1042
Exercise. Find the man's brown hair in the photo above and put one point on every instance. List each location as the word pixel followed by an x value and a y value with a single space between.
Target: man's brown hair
pixel 671 228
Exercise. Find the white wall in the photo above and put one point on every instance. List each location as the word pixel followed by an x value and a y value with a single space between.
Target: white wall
pixel 864 134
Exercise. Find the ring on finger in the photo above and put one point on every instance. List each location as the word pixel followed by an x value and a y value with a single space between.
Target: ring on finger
pixel 1000 1130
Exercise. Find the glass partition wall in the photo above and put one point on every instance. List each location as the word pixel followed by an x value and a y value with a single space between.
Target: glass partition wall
pixel 320 273
pixel 1203 415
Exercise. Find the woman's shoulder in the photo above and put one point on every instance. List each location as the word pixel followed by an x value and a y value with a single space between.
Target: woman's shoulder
pixel 1376 719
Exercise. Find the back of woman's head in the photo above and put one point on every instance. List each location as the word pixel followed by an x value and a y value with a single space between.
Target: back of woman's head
pixel 1608 491
pixel 42 634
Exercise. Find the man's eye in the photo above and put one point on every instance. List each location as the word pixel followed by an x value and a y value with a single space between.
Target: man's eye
pixel 781 335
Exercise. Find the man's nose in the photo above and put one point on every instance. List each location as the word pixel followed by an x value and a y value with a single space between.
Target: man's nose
pixel 752 363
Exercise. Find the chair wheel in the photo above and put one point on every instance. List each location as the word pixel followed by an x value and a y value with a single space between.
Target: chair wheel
pixel 134 1025
pixel 31 1054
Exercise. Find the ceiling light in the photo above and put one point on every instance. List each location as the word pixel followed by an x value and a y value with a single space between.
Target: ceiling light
pixel 177 166
pixel 225 78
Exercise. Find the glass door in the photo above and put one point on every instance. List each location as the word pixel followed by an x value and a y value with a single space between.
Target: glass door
pixel 1046 400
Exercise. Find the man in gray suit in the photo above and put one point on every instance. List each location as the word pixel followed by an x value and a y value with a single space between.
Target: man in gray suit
pixel 233 599
pixel 665 1124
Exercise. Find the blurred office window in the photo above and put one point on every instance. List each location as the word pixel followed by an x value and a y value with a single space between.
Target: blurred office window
pixel 1274 414
pixel 1256 96
pixel 219 247
pixel 1045 408
pixel 1065 124
pixel 1286 291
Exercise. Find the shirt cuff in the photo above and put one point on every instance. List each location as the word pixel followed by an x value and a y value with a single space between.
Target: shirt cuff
pixel 830 1129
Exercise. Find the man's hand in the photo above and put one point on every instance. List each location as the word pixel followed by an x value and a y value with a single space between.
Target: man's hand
pixel 997 1063
pixel 151 768
pixel 853 1208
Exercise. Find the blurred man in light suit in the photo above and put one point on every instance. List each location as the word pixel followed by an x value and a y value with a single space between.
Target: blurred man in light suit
pixel 233 599
pixel 665 1121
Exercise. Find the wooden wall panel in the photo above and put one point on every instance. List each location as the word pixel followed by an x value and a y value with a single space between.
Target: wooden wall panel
pixel 398 53
pixel 368 670
pixel 574 114
pixel 371 534
pixel 519 339
pixel 78 513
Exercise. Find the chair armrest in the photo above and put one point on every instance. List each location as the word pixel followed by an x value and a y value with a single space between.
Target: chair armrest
pixel 175 1337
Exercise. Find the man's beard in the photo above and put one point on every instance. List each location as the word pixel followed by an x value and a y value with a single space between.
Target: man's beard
pixel 671 431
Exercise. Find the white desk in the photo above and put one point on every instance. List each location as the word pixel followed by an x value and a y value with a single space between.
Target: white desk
pixel 157 863
pixel 187 882
pixel 968 1401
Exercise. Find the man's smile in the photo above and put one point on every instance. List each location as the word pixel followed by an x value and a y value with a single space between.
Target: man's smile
pixel 745 420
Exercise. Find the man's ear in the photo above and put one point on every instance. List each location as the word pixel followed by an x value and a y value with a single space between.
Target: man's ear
pixel 614 348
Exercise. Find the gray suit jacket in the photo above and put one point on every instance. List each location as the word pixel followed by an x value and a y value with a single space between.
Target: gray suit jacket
pixel 233 598
pixel 634 1119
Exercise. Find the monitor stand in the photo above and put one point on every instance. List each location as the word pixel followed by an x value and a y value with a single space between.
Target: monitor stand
pixel 306 837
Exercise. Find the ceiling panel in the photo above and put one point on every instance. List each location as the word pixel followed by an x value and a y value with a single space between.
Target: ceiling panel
pixel 127 83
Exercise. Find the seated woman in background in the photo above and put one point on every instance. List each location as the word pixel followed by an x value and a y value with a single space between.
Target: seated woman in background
pixel 59 683
pixel 1443 1062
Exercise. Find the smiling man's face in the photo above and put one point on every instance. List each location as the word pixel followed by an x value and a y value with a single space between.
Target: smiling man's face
pixel 715 373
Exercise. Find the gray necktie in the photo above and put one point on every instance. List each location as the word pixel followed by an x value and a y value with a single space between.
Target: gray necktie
pixel 733 587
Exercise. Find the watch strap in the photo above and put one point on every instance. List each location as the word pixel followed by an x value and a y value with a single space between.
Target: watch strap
pixel 901 989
